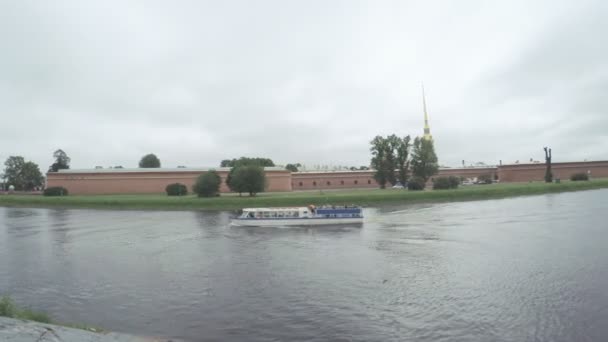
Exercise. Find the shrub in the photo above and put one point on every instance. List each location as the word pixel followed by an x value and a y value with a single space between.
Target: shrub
pixel 454 182
pixel 484 179
pixel 207 184
pixel 416 183
pixel 55 191
pixel 176 189
pixel 445 183
pixel 579 177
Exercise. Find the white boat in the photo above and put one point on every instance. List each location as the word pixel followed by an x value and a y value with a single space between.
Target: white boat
pixel 299 216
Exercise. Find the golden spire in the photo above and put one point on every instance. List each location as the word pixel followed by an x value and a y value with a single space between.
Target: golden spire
pixel 427 129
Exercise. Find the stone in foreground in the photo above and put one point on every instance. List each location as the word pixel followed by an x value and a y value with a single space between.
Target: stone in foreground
pixel 16 330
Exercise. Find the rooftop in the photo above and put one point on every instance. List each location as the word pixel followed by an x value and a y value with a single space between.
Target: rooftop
pixel 159 169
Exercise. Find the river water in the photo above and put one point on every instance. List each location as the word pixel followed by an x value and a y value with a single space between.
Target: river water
pixel 519 269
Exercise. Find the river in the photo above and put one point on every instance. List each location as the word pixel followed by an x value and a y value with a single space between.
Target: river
pixel 519 269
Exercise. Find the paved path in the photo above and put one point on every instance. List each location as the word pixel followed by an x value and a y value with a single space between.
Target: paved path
pixel 15 330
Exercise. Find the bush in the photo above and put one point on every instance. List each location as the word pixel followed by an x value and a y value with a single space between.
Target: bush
pixel 579 177
pixel 176 189
pixel 454 182
pixel 55 191
pixel 484 179
pixel 416 183
pixel 445 183
pixel 207 184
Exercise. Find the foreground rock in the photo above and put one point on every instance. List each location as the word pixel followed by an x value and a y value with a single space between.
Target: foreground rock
pixel 16 330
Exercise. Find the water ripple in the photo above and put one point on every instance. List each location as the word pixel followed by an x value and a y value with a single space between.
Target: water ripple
pixel 522 269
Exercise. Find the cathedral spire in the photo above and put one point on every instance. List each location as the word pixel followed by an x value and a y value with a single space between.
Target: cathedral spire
pixel 427 129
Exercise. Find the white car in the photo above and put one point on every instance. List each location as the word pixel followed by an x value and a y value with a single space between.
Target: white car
pixel 398 186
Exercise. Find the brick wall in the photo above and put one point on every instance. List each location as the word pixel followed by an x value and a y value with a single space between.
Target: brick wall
pixel 536 172
pixel 333 180
pixel 117 182
pixel 88 183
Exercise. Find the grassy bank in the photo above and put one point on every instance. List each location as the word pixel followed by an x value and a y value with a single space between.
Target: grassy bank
pixel 362 197
pixel 9 309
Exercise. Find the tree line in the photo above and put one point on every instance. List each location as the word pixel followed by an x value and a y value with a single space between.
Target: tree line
pixel 246 175
pixel 25 175
pixel 395 158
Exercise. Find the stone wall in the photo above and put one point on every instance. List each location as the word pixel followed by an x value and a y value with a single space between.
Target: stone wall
pixel 536 172
pixel 333 180
pixel 117 181
pixel 146 181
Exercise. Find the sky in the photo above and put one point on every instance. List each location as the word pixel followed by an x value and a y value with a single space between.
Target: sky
pixel 312 82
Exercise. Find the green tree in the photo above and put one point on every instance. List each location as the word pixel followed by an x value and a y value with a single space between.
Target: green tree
pixel 263 162
pixel 293 167
pixel 403 159
pixel 390 154
pixel 207 184
pixel 247 178
pixel 424 160
pixel 381 162
pixel 12 171
pixel 62 161
pixel 149 161
pixel 21 174
pixel 32 177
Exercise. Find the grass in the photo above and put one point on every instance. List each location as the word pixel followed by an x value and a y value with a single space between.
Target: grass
pixel 360 197
pixel 8 308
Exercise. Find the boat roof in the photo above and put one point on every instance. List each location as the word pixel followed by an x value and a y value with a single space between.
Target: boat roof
pixel 275 209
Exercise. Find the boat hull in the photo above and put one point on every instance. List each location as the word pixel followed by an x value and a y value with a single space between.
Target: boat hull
pixel 296 222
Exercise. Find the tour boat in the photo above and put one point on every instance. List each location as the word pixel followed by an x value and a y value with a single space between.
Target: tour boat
pixel 299 216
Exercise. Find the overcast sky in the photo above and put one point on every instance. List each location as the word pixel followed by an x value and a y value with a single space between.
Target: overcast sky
pixel 301 81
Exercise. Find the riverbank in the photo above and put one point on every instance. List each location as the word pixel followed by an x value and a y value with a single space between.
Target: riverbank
pixel 339 197
pixel 18 324
pixel 17 330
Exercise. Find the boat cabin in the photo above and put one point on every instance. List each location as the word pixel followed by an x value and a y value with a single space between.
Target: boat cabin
pixel 263 213
pixel 302 212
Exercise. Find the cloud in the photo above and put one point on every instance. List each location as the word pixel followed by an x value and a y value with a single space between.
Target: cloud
pixel 198 82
